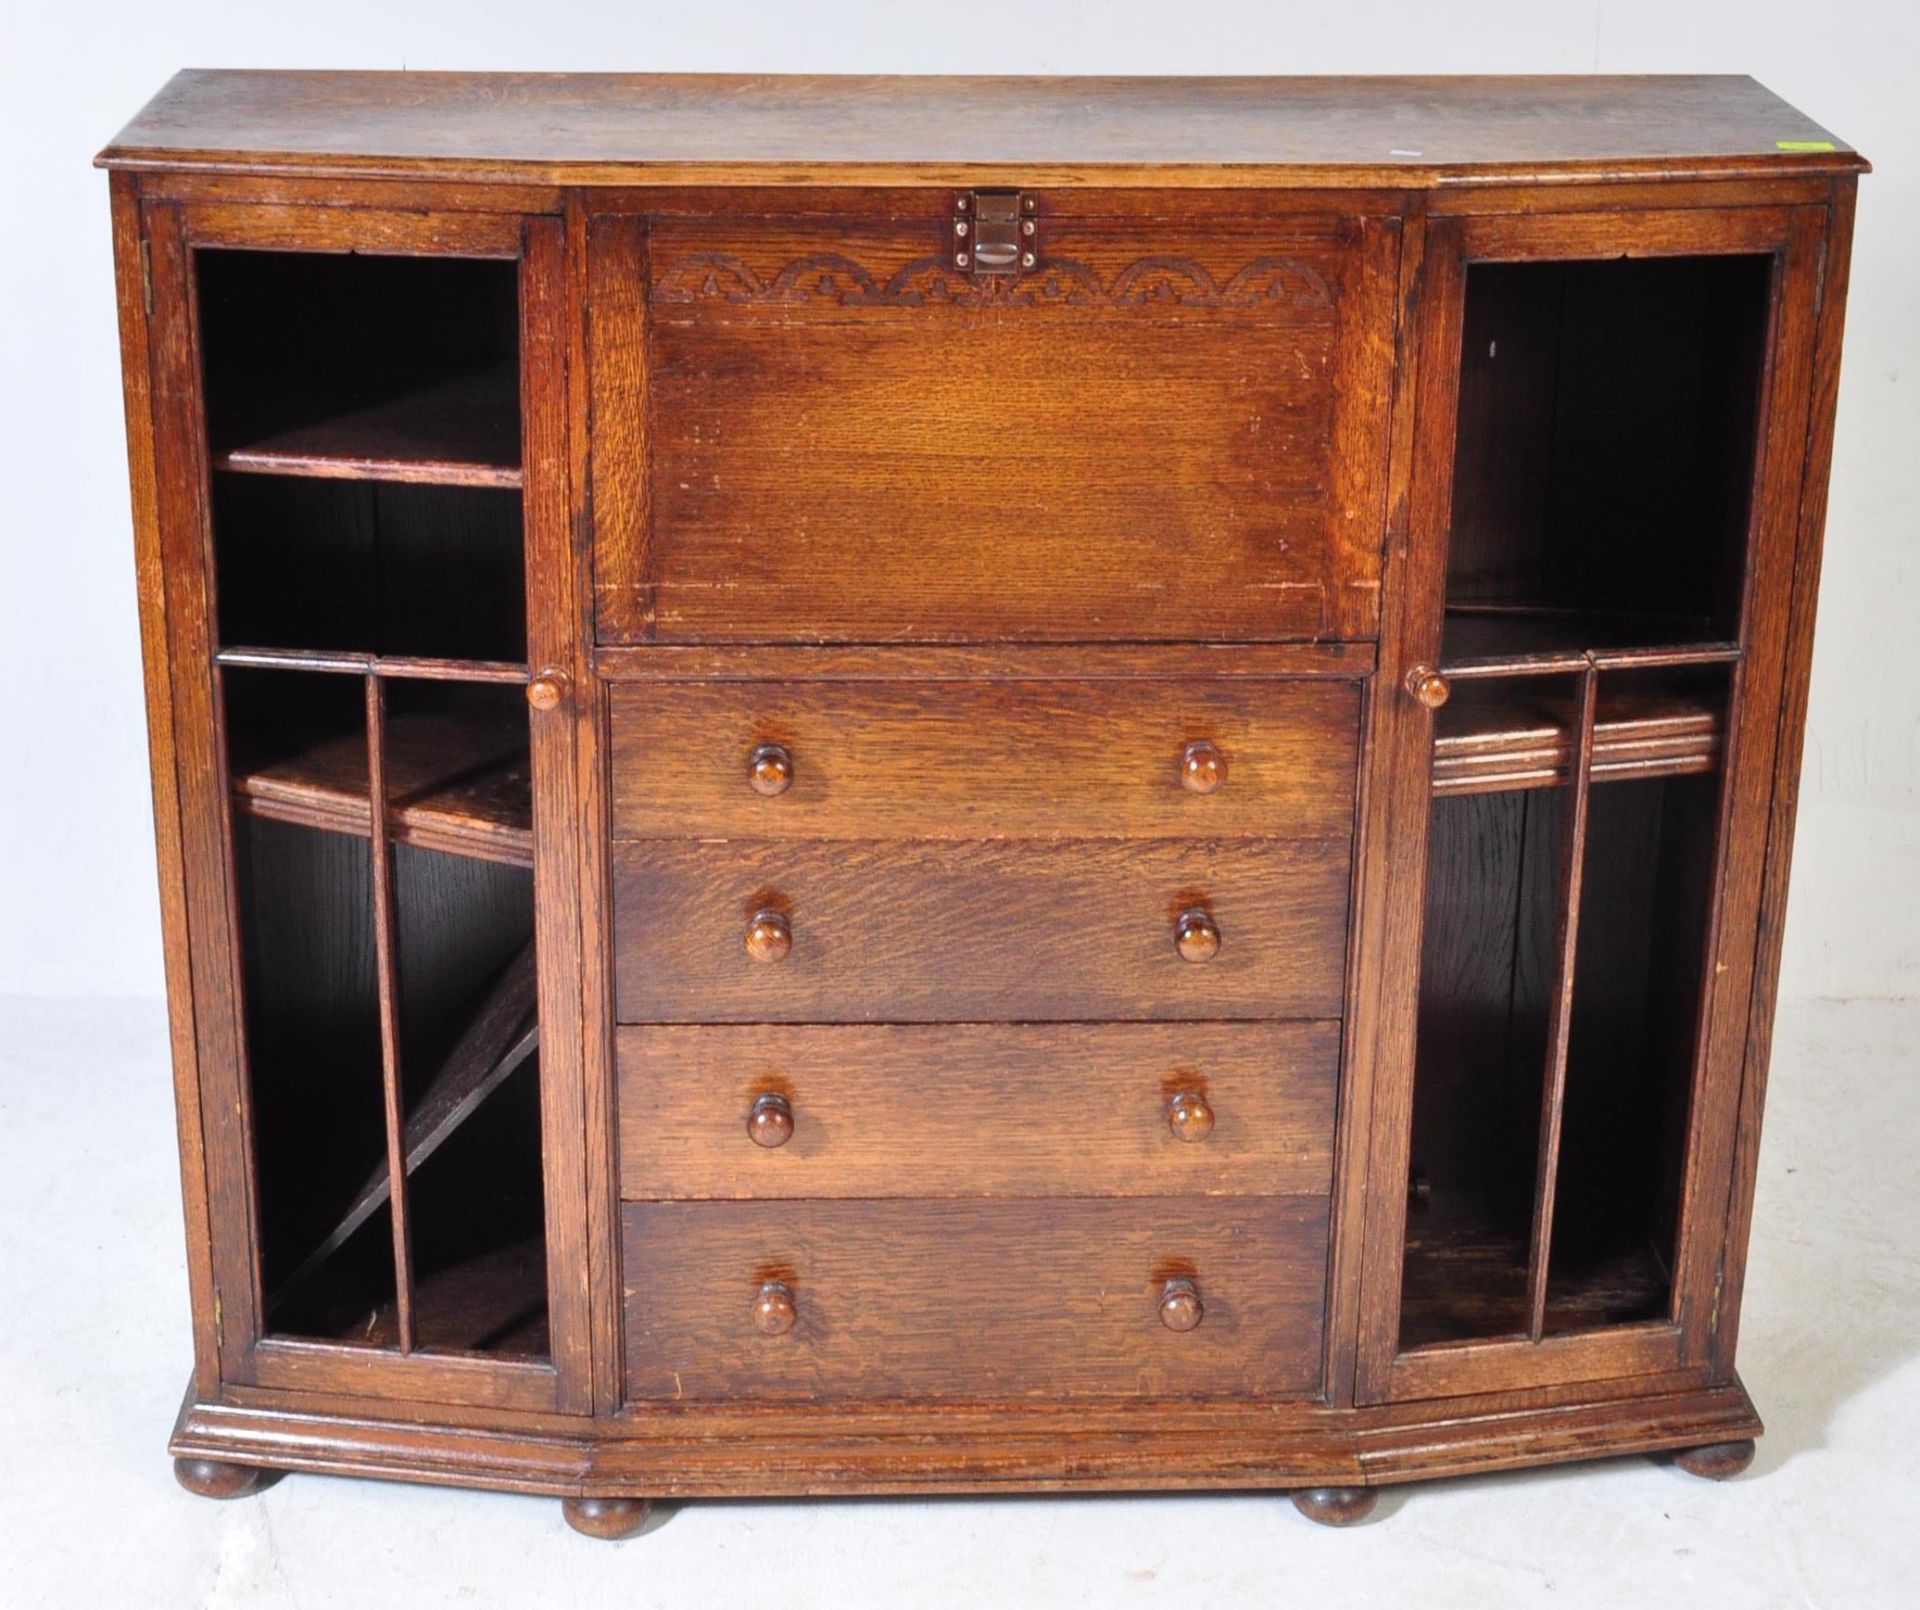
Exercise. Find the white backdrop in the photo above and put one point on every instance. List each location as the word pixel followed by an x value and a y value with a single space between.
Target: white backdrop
pixel 78 913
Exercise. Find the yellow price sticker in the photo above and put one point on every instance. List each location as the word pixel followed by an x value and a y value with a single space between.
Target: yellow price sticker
pixel 1804 145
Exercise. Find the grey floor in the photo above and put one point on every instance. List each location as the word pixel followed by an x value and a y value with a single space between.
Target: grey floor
pixel 93 1360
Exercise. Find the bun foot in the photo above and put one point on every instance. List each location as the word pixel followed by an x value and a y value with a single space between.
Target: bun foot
pixel 1717 1461
pixel 1336 1506
pixel 607 1518
pixel 215 1478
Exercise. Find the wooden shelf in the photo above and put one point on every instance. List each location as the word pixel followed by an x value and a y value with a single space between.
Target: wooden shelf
pixel 464 431
pixel 1492 736
pixel 494 1302
pixel 1463 1275
pixel 459 783
pixel 1532 639
pixel 1465 1279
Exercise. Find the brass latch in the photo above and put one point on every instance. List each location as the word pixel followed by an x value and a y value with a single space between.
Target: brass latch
pixel 995 231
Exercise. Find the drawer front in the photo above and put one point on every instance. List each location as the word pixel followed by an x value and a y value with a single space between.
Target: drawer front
pixel 977 931
pixel 980 1110
pixel 973 1300
pixel 1214 757
pixel 818 430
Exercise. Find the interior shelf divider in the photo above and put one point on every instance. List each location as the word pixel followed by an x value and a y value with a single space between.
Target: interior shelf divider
pixel 386 961
pixel 499 1038
pixel 416 667
pixel 1497 735
pixel 1560 1007
pixel 459 431
pixel 459 785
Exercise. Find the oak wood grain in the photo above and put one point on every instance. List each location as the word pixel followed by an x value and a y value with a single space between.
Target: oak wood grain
pixel 556 582
pixel 458 783
pixel 1162 432
pixel 1809 552
pixel 963 1300
pixel 983 662
pixel 986 930
pixel 131 265
pixel 668 1423
pixel 1016 1110
pixel 628 128
pixel 1054 759
pixel 1085 1445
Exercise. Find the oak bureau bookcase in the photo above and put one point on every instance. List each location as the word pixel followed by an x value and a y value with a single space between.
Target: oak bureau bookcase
pixel 878 785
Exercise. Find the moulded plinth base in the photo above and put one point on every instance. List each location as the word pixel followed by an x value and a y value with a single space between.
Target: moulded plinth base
pixel 1330 1459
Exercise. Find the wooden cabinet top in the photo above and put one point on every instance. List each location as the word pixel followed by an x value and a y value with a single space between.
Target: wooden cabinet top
pixel 615 129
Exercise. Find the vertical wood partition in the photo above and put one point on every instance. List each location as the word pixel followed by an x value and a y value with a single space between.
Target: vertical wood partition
pixel 387 965
pixel 1560 1022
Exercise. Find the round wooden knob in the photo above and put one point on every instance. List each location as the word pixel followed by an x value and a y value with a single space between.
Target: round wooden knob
pixel 770 770
pixel 770 1122
pixel 1202 767
pixel 1180 1305
pixel 773 1309
pixel 1189 1116
pixel 1196 936
pixel 1428 686
pixel 769 937
pixel 545 691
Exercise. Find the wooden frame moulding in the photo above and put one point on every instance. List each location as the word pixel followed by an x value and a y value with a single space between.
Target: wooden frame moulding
pixel 1791 236
pixel 170 232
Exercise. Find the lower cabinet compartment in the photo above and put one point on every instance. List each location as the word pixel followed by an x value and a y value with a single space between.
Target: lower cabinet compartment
pixel 970 1300
pixel 468 1042
pixel 1477 1262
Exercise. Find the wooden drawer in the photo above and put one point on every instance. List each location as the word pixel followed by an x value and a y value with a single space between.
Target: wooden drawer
pixel 977 931
pixel 814 429
pixel 974 1300
pixel 1043 759
pixel 1137 1109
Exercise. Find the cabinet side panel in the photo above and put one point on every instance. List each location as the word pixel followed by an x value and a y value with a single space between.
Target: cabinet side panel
pixel 180 461
pixel 1789 744
pixel 1738 942
pixel 130 284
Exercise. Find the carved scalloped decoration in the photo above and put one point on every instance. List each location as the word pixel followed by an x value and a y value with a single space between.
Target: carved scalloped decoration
pixel 1277 279
pixel 705 276
pixel 930 279
pixel 1159 280
pixel 824 274
pixel 1060 283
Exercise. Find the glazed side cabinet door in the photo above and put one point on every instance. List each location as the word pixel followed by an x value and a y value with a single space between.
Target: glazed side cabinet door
pixel 357 575
pixel 1612 416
